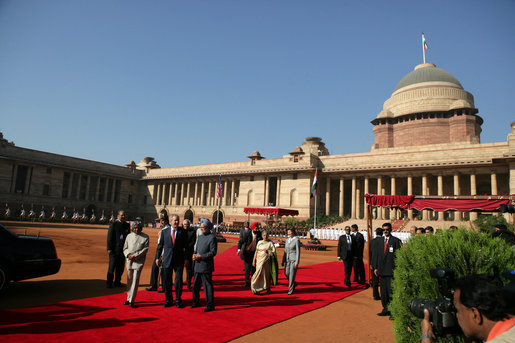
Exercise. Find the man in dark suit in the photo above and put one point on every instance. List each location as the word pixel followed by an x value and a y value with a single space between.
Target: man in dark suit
pixel 204 266
pixel 247 247
pixel 172 247
pixel 346 252
pixel 375 247
pixel 359 267
pixel 116 234
pixel 385 264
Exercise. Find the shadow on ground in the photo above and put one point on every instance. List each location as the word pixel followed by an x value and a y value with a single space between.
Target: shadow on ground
pixel 35 293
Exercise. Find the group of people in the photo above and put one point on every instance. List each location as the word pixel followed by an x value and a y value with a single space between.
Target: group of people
pixel 259 258
pixel 177 248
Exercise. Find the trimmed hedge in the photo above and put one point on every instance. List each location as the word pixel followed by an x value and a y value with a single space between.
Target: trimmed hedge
pixel 465 251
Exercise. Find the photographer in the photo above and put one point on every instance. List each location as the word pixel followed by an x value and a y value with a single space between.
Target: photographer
pixel 480 310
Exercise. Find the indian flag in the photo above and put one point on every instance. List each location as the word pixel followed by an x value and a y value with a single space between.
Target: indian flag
pixel 314 187
pixel 424 43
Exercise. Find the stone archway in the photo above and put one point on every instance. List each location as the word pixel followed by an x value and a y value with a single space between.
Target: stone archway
pixel 220 216
pixel 189 215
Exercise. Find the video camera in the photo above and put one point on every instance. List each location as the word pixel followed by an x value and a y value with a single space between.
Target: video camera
pixel 442 311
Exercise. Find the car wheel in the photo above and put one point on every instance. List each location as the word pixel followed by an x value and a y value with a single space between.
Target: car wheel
pixel 4 277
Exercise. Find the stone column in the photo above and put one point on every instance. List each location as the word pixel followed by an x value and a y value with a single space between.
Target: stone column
pixel 358 199
pixel 457 214
pixel 209 197
pixel 353 199
pixel 181 201
pixel 278 196
pixel 380 210
pixel 393 211
pixel 163 194
pixel 424 192
pixel 202 198
pixel 159 193
pixel 440 192
pixel 493 181
pixel 342 188
pixel 265 200
pixel 188 194
pixel 327 195
pixel 473 191
pixel 88 185
pixel 232 192
pixel 409 180
pixel 175 194
pixel 226 192
pixel 365 191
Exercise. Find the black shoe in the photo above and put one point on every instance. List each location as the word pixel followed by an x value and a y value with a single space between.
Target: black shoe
pixel 178 305
pixel 195 306
pixel 167 304
pixel 161 291
pixel 151 289
pixel 384 313
pixel 109 285
pixel 119 285
pixel 127 303
pixel 208 309
pixel 391 318
pixel 247 285
pixel 347 284
pixel 132 305
pixel 377 298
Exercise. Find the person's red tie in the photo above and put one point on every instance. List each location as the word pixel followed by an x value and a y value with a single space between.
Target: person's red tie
pixel 173 237
pixel 385 244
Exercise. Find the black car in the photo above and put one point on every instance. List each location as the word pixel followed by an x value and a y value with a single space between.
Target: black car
pixel 25 257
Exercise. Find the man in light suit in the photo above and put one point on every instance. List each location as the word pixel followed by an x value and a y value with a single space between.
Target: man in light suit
pixel 385 264
pixel 204 266
pixel 346 252
pixel 172 247
pixel 135 250
pixel 291 258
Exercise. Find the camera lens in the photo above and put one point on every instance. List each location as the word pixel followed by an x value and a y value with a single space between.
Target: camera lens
pixel 418 305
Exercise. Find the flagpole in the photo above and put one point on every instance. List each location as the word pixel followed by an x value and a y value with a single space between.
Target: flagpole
pixel 423 49
pixel 316 194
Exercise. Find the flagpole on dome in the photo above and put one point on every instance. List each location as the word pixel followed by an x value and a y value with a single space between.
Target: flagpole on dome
pixel 424 47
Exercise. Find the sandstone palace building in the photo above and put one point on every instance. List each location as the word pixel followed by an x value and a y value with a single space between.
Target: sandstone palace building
pixel 427 142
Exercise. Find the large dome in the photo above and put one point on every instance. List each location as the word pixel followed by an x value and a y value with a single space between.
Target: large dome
pixel 427 72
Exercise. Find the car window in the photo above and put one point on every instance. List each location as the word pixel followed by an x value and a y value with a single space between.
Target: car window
pixel 5 233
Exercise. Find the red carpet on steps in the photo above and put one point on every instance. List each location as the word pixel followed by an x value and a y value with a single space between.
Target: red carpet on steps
pixel 238 311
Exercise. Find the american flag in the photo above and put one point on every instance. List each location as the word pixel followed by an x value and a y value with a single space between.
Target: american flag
pixel 219 188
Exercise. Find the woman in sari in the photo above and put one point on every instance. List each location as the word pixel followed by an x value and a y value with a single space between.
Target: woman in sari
pixel 265 262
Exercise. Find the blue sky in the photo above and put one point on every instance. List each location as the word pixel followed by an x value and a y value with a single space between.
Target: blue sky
pixel 197 82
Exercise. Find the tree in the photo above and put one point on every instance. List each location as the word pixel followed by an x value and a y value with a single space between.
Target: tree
pixel 465 251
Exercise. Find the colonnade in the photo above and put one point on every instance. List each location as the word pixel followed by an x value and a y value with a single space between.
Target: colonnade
pixel 195 193
pixel 457 183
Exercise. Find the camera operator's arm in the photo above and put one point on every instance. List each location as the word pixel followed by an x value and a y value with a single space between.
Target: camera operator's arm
pixel 427 329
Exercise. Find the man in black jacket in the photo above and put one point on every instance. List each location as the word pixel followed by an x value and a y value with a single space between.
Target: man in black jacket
pixel 247 247
pixel 359 267
pixel 116 234
pixel 375 247
pixel 346 253
pixel 385 264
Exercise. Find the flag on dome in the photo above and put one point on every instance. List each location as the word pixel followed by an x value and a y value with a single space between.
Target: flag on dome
pixel 314 187
pixel 219 188
pixel 424 43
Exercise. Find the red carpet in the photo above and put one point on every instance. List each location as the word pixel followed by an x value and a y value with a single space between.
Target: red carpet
pixel 103 319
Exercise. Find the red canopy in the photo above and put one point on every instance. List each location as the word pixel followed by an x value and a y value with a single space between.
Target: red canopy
pixel 270 210
pixel 487 203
